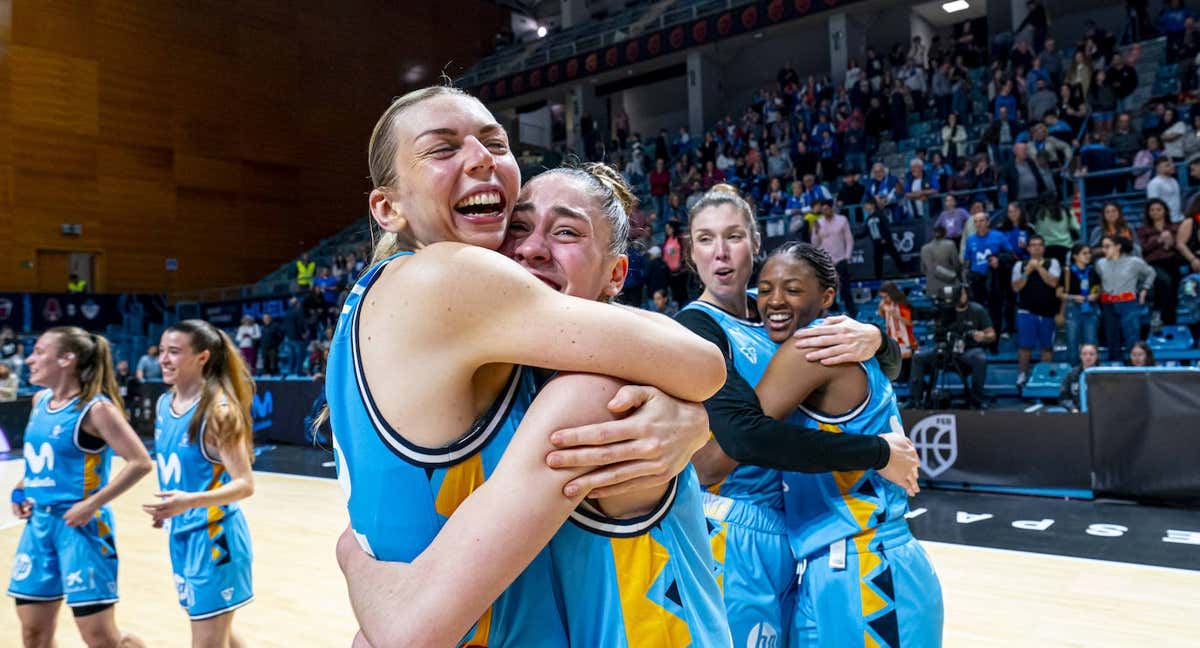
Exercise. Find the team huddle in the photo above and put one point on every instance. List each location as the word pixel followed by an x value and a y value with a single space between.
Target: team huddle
pixel 525 464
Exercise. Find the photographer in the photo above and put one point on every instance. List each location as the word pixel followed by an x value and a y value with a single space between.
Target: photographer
pixel 962 334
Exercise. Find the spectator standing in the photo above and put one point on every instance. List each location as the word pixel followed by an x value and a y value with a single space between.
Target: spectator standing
pixel 1164 187
pixel 832 233
pixel 885 187
pixel 1024 179
pixel 879 229
pixel 1174 131
pixel 658 275
pixel 986 269
pixel 1036 20
pixel 898 320
pixel 851 192
pixel 305 271
pixel 1057 226
pixel 247 337
pixel 1147 159
pixel 1123 80
pixel 660 187
pixel 662 304
pixel 327 284
pixel 1124 282
pixel 1171 22
pixel 1112 223
pixel 673 253
pixel 954 139
pixel 75 285
pixel 918 187
pixel 940 263
pixel 1187 240
pixel 1069 393
pixel 953 218
pixel 778 164
pixel 1157 236
pixel 1035 281
pixel 293 337
pixel 1080 293
pixel 1125 141
pixel 269 344
pixel 147 366
pixel 804 161
pixel 1041 101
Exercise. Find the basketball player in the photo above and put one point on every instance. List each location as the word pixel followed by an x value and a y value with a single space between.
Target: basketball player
pixel 203 442
pixel 67 549
pixel 427 385
pixel 864 579
pixel 745 504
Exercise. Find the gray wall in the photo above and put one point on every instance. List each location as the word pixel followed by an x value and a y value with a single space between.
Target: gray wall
pixel 658 105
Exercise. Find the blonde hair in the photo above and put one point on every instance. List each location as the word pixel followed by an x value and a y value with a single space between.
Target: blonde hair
pixel 226 379
pixel 381 160
pixel 93 363
pixel 725 194
pixel 609 189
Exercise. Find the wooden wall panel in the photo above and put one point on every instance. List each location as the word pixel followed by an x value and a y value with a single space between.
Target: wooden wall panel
pixel 227 134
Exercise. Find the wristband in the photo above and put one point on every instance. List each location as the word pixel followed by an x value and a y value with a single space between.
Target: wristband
pixel 18 496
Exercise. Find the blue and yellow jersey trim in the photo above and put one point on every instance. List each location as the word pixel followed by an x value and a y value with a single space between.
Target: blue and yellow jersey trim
pixel 591 519
pixel 465 447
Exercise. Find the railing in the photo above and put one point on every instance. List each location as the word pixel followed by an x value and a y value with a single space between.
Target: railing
pixel 498 65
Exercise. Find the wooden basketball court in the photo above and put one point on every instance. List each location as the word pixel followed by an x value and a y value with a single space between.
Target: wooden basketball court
pixel 993 597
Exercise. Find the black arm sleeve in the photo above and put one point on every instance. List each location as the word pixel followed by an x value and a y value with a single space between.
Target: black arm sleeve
pixel 888 356
pixel 749 436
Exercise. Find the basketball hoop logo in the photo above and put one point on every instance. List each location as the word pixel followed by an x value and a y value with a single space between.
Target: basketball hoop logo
pixel 936 440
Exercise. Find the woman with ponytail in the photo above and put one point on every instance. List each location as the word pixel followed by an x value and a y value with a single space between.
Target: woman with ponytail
pixel 67 549
pixel 204 445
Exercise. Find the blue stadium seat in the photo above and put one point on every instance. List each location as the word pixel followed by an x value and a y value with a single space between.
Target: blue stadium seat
pixel 1002 380
pixel 1166 72
pixel 1174 344
pixel 1046 379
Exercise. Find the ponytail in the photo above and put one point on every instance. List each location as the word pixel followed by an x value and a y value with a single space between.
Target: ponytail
pixel 227 380
pixel 93 364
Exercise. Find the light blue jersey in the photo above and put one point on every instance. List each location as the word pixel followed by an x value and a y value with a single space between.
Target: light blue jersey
pixel 64 465
pixel 645 581
pixel 400 494
pixel 211 555
pixel 745 514
pixel 866 581
pixel 752 351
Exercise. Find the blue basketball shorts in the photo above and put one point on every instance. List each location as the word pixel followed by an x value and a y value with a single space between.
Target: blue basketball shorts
pixel 212 568
pixel 756 568
pixel 878 589
pixel 55 561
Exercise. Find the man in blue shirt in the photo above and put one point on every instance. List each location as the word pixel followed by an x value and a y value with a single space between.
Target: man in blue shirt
pixel 328 285
pixel 985 251
pixel 886 188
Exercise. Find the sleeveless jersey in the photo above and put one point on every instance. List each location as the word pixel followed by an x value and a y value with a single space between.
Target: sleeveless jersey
pixel 63 464
pixel 824 508
pixel 646 581
pixel 752 350
pixel 185 465
pixel 400 494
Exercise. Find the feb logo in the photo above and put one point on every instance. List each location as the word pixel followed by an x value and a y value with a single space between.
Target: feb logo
pixel 22 566
pixel 904 241
pixel 936 441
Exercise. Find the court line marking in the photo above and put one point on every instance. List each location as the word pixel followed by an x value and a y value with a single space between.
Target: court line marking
pixel 1178 570
pixel 295 476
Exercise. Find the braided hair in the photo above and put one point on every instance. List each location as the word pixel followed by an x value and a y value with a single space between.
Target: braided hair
pixel 815 257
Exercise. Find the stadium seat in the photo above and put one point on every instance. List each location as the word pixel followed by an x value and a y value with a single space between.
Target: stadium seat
pixel 1002 380
pixel 1046 379
pixel 1174 344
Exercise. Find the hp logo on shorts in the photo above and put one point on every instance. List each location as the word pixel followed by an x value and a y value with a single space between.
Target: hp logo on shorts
pixel 936 440
pixel 21 567
pixel 762 635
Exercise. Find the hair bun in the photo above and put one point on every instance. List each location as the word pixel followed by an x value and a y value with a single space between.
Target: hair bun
pixel 615 183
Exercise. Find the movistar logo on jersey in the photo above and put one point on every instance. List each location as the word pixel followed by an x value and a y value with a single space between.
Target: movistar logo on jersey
pixel 40 459
pixel 261 408
pixel 56 432
pixel 169 470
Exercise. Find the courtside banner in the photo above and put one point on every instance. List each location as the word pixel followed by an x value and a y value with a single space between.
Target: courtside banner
pixel 1007 449
pixel 1145 432
pixel 279 409
pixel 90 311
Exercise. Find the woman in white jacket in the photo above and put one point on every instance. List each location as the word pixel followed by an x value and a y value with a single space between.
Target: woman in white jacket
pixel 954 139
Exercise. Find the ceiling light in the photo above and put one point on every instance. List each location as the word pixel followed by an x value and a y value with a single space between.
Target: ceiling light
pixel 541 32
pixel 955 6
